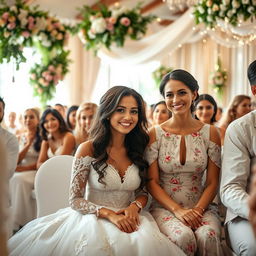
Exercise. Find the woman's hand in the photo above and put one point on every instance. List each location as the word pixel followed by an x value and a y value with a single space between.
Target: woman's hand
pixel 132 213
pixel 189 217
pixel 123 222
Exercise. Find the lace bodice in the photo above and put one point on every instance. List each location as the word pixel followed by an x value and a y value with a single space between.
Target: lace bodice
pixel 56 153
pixel 115 193
pixel 31 155
pixel 183 182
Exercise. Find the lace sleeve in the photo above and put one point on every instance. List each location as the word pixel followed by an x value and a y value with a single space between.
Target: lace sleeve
pixel 214 152
pixel 80 173
pixel 151 153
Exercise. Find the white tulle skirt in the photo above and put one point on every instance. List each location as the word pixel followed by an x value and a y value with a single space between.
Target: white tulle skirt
pixel 67 233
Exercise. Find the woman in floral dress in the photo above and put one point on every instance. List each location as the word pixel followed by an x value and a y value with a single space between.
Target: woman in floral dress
pixel 180 151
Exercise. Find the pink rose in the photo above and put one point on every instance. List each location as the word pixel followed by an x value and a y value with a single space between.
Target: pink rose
pixel 11 26
pixel 110 27
pixel 125 21
pixel 167 134
pixel 51 68
pixel 31 19
pixel 5 15
pixel 49 78
pixel 195 134
pixel 31 26
pixel 25 34
pixel 174 181
pixel 167 158
pixel 112 20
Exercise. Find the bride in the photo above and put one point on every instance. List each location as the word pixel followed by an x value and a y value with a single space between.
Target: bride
pixel 108 219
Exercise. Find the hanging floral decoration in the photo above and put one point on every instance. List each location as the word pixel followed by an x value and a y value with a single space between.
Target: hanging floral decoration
pixel 233 12
pixel 24 26
pixel 159 73
pixel 109 25
pixel 218 79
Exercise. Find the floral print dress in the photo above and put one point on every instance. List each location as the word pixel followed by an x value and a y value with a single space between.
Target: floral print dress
pixel 184 184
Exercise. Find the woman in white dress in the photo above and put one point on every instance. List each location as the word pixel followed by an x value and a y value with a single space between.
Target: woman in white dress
pixel 109 219
pixel 22 182
pixel 57 139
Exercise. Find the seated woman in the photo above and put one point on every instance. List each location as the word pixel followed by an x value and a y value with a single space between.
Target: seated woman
pixel 180 151
pixel 160 113
pixel 22 182
pixel 57 139
pixel 84 118
pixel 107 220
pixel 240 106
pixel 71 117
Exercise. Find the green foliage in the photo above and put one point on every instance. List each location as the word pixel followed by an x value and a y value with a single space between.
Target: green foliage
pixel 106 26
pixel 159 73
pixel 231 11
pixel 25 26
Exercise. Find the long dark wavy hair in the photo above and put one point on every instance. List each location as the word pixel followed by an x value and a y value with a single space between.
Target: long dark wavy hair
pixel 63 127
pixel 100 132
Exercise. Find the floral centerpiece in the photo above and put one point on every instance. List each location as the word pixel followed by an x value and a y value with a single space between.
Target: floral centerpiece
pixel 25 26
pixel 218 79
pixel 233 12
pixel 110 25
pixel 159 73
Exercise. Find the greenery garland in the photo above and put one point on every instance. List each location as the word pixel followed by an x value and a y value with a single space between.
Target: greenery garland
pixel 218 79
pixel 110 25
pixel 230 11
pixel 25 26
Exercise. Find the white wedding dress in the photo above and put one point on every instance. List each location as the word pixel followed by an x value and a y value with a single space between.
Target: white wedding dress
pixel 79 232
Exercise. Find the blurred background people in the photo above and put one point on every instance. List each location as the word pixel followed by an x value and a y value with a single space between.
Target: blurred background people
pixel 206 109
pixel 61 109
pixel 84 117
pixel 22 182
pixel 160 113
pixel 71 117
pixel 12 127
pixel 239 106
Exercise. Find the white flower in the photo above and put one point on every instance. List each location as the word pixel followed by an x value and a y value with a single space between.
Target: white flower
pixel 91 34
pixel 209 18
pixel 229 13
pixel 222 14
pixel 201 9
pixel 215 7
pixel 223 7
pixel 99 25
pixel 209 11
pixel 14 8
pixel 200 19
pixel 41 23
pixel 226 2
pixel 240 17
pixel 251 9
pixel 245 1
pixel 117 11
pixel 235 4
pixel 46 43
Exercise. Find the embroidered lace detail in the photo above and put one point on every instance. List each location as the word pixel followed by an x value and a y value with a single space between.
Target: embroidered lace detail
pixel 151 153
pixel 80 173
pixel 80 244
pixel 107 247
pixel 214 152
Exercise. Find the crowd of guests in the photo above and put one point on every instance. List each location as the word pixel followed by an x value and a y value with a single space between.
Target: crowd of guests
pixel 181 151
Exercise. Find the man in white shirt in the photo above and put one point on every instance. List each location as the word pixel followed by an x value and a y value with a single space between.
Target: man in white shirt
pixel 239 155
pixel 11 146
pixel 10 142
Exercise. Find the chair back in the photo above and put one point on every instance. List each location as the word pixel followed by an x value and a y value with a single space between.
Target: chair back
pixel 52 183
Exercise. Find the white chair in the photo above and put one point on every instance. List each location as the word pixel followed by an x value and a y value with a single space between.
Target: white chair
pixel 52 184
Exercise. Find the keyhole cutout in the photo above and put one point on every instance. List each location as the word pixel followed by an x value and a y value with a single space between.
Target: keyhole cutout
pixel 182 150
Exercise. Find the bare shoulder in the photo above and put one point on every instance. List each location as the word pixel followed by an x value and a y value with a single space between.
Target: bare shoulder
pixel 215 135
pixel 152 135
pixel 85 149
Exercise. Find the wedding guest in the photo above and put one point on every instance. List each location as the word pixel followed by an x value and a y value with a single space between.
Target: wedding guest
pixel 3 200
pixel 84 119
pixel 108 173
pixel 218 114
pixel 61 109
pixel 239 106
pixel 206 109
pixel 71 117
pixel 22 182
pixel 238 156
pixel 57 139
pixel 180 151
pixel 12 127
pixel 160 113
pixel 10 143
